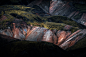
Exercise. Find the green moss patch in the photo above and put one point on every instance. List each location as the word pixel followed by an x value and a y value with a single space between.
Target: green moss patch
pixel 19 11
pixel 64 20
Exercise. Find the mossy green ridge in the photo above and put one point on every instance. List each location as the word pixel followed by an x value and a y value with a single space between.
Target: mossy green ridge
pixel 7 10
pixel 27 16
pixel 52 25
pixel 59 26
pixel 64 20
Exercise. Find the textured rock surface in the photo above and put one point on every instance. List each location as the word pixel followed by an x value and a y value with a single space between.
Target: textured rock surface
pixel 65 9
pixel 38 15
pixel 63 39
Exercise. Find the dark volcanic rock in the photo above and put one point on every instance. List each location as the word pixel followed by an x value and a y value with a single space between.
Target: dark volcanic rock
pixel 4 40
pixel 38 9
pixel 27 48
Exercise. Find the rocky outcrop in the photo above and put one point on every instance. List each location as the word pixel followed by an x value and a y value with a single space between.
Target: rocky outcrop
pixel 65 33
pixel 62 8
pixel 22 17
pixel 63 39
pixel 65 9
